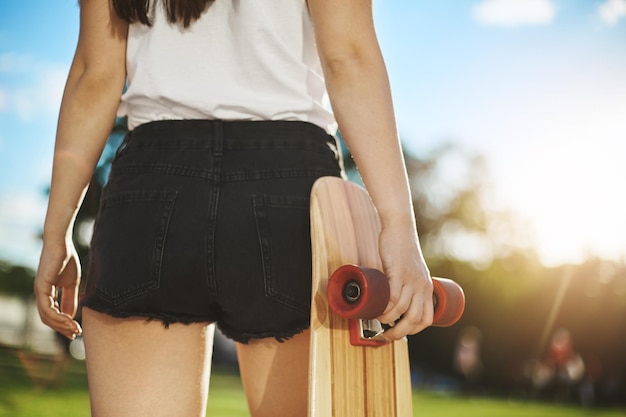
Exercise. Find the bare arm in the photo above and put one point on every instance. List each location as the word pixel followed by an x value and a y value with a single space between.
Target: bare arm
pixel 360 94
pixel 92 93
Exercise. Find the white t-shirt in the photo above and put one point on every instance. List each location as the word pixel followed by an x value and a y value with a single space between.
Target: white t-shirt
pixel 242 60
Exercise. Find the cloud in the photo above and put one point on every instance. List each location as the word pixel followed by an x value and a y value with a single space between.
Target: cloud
pixel 21 218
pixel 31 89
pixel 612 11
pixel 3 100
pixel 515 13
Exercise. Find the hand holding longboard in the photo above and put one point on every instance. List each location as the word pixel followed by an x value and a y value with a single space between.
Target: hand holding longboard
pixel 361 294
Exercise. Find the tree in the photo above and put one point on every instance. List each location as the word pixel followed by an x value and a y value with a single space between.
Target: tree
pixel 16 280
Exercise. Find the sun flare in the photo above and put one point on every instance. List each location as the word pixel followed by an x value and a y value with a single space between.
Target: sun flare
pixel 573 197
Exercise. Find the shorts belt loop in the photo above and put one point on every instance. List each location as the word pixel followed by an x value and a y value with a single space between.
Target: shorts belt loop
pixel 218 137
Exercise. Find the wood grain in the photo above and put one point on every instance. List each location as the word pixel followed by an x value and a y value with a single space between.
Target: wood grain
pixel 346 380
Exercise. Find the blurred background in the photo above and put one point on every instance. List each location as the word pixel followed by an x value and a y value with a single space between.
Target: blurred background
pixel 512 115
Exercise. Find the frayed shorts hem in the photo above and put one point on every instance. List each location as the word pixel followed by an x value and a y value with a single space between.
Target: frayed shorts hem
pixel 245 337
pixel 165 318
pixel 169 319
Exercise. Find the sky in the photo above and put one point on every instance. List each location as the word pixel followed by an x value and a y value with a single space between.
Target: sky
pixel 536 86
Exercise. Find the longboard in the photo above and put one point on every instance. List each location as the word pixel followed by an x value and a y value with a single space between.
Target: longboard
pixel 353 372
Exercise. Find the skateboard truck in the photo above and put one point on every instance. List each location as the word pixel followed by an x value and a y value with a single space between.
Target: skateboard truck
pixel 368 332
pixel 361 294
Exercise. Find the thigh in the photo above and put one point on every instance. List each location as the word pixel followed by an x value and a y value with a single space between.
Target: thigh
pixel 140 368
pixel 275 375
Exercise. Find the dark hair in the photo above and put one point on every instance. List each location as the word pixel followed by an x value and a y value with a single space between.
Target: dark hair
pixel 178 11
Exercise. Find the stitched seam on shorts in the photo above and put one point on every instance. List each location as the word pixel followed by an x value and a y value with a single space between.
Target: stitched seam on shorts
pixel 294 145
pixel 262 174
pixel 214 200
pixel 171 144
pixel 165 169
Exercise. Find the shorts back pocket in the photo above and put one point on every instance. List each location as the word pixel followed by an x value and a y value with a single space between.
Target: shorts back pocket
pixel 283 228
pixel 128 243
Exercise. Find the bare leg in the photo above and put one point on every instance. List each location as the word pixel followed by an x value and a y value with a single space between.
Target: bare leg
pixel 139 368
pixel 276 376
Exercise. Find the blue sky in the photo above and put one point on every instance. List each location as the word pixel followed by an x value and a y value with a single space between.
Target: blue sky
pixel 537 86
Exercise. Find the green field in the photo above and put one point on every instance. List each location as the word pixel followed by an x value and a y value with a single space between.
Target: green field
pixel 19 397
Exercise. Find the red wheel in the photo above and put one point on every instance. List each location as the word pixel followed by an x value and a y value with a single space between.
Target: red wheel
pixel 356 292
pixel 449 301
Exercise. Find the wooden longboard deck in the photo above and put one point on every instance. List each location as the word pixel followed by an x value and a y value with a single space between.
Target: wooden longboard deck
pixel 346 380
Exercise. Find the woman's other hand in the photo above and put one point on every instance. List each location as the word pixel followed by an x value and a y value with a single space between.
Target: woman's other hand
pixel 56 288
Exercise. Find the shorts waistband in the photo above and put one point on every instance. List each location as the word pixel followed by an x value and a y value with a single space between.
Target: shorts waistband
pixel 209 134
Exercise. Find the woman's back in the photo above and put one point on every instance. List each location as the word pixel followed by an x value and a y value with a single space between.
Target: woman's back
pixel 242 60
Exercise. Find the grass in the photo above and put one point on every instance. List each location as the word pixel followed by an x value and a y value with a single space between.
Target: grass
pixel 20 397
pixel 429 404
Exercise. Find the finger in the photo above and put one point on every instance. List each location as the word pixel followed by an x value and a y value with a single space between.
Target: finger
pixel 69 305
pixel 418 317
pixel 69 295
pixel 409 322
pixel 397 306
pixel 49 312
pixel 45 294
pixel 61 323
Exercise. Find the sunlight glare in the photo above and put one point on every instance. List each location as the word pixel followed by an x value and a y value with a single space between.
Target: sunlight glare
pixel 572 194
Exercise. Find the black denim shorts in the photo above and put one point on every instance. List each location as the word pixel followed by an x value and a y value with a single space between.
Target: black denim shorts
pixel 208 221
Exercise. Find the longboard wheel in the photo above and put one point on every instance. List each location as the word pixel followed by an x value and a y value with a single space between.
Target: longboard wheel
pixel 449 302
pixel 356 292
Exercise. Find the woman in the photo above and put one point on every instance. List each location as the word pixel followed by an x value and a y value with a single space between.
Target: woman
pixel 225 106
